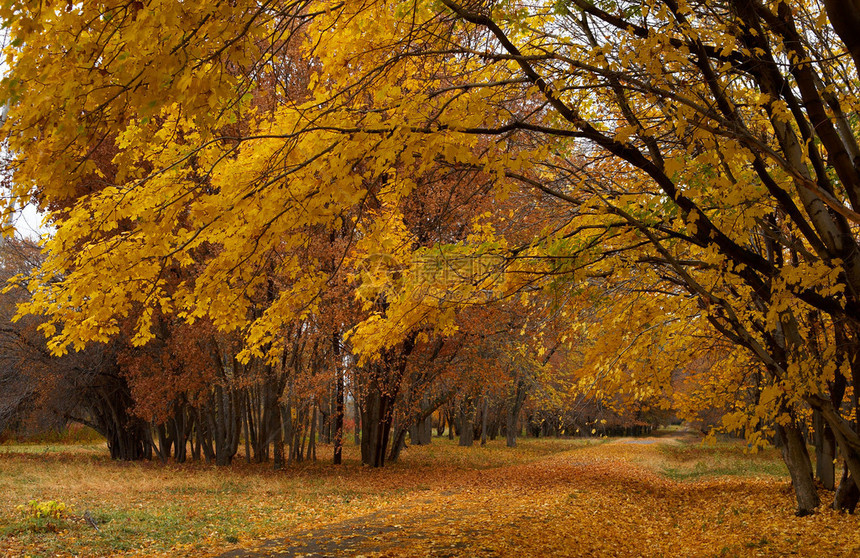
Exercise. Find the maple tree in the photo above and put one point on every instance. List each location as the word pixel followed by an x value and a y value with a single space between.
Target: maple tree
pixel 43 392
pixel 699 154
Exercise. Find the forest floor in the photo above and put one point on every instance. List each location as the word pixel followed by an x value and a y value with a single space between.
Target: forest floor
pixel 659 496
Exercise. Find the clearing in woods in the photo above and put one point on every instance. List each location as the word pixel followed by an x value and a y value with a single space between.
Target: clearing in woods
pixel 660 496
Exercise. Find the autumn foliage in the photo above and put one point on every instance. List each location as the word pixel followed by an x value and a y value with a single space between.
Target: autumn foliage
pixel 575 217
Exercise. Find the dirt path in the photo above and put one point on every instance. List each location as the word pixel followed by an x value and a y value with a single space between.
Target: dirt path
pixel 339 539
pixel 439 522
pixel 602 500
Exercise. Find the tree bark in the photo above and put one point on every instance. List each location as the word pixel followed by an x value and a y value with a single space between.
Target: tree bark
pixel 376 419
pixel 278 458
pixel 847 494
pixel 338 417
pixel 844 15
pixel 484 410
pixel 398 445
pixel 356 434
pixel 796 458
pixel 377 413
pixel 180 424
pixel 825 452
pixel 246 418
pixel 425 431
pixel 512 426
pixel 312 439
pixel 467 419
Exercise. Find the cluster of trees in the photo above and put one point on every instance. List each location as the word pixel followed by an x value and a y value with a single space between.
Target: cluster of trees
pixel 186 395
pixel 662 195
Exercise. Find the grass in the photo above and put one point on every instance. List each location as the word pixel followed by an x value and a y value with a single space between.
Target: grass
pixel 689 461
pixel 169 508
pixel 687 498
pixel 37 448
pixel 446 453
pixel 74 434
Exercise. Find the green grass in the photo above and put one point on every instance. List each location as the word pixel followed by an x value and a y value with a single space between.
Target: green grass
pixel 689 461
pixel 41 448
pixel 155 527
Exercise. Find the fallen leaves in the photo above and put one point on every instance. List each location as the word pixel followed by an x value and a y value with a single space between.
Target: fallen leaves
pixel 594 499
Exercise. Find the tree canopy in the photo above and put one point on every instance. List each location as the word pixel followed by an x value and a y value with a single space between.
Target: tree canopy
pixel 692 165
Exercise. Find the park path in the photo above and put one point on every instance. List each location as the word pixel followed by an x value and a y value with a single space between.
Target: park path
pixel 449 519
pixel 601 500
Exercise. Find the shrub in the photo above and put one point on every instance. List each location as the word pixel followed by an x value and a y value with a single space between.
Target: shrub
pixel 50 509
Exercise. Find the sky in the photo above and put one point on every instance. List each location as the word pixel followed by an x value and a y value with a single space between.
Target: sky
pixel 28 223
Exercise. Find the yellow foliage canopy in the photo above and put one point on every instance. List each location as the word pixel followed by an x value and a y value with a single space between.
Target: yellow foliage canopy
pixel 209 142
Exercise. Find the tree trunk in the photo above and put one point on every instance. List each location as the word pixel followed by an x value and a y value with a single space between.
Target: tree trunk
pixel 421 430
pixel 297 447
pixel 484 412
pixel 246 417
pixel 312 439
pixel 425 432
pixel 223 424
pixel 128 438
pixel 277 433
pixel 512 425
pixel 287 427
pixel 799 467
pixel 847 494
pixel 825 452
pixel 845 18
pixel 262 404
pixel 278 457
pixel 205 435
pixel 377 411
pixel 398 445
pixel 196 445
pixel 356 434
pixel 181 432
pixel 165 442
pixel 376 419
pixel 467 419
pixel 338 416
pixel 495 423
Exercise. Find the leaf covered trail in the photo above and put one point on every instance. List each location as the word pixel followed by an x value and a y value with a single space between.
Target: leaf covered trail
pixel 601 500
